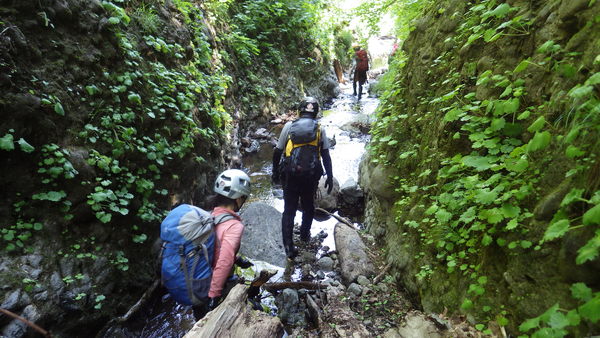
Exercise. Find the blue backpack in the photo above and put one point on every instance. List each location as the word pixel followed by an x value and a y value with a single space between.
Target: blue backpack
pixel 187 252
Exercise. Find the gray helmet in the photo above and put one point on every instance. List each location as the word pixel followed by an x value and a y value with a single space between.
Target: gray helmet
pixel 232 183
pixel 309 105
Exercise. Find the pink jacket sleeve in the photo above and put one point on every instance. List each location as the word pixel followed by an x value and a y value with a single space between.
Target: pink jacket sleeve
pixel 229 236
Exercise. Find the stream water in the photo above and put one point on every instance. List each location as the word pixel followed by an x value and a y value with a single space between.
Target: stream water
pixel 162 317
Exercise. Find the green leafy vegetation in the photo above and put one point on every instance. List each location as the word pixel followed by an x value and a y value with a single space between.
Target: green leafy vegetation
pixel 473 169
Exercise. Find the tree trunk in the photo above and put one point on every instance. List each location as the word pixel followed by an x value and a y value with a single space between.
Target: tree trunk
pixel 339 72
pixel 236 318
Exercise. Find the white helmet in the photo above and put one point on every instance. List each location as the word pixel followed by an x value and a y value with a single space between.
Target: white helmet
pixel 232 183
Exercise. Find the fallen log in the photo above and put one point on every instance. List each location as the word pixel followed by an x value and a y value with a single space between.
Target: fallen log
pixel 234 317
pixel 293 285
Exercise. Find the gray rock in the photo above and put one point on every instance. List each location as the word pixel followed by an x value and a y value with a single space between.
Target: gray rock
pixel 417 325
pixel 351 192
pixel 253 147
pixel 355 289
pixel 392 333
pixel 320 274
pixel 324 200
pixel 35 273
pixel 18 329
pixel 363 281
pixel 66 266
pixel 41 296
pixel 262 234
pixel 352 254
pixel 306 256
pixel 34 260
pixel 325 264
pixel 376 178
pixel 11 300
pixel 288 305
pixel 56 283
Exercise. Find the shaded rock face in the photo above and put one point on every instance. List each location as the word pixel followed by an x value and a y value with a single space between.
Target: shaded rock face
pixel 525 280
pixel 352 255
pixel 262 234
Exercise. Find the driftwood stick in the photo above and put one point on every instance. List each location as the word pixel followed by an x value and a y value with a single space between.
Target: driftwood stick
pixel 382 273
pixel 339 218
pixel 292 285
pixel 29 323
pixel 139 303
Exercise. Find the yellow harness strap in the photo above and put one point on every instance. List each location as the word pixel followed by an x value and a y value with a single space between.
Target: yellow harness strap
pixel 289 146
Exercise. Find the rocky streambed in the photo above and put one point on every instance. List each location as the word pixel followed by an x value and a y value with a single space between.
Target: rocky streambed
pixel 337 286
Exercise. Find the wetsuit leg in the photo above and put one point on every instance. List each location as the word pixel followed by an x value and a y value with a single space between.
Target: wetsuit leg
pixel 307 196
pixel 291 193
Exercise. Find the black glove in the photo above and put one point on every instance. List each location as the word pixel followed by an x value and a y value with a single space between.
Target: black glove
pixel 329 184
pixel 242 262
pixel 213 303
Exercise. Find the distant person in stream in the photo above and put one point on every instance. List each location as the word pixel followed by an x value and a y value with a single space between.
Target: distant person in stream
pixel 297 166
pixel 199 248
pixel 361 66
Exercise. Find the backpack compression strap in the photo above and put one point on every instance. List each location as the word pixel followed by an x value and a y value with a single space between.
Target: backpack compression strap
pixel 194 254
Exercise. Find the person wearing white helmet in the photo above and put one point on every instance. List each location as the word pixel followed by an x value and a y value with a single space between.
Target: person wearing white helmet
pixel 232 188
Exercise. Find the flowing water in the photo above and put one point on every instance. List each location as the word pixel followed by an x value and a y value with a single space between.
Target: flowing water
pixel 162 317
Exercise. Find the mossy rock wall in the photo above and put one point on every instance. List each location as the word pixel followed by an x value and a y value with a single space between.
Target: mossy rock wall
pixel 488 128
pixel 113 111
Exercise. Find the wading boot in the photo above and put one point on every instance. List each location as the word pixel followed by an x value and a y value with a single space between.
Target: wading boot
pixel 291 251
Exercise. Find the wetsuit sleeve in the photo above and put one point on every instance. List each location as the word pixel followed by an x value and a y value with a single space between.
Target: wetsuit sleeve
pixel 229 244
pixel 276 159
pixel 327 162
pixel 283 136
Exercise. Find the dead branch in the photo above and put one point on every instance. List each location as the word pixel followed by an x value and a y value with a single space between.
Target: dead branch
pixel 29 323
pixel 259 281
pixel 339 218
pixel 139 303
pixel 382 273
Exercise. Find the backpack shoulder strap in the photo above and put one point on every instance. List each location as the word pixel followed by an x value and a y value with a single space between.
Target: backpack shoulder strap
pixel 223 218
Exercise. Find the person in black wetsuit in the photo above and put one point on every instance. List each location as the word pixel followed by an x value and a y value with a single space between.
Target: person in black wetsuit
pixel 297 158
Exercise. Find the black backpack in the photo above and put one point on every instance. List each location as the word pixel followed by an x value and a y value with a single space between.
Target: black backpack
pixel 301 155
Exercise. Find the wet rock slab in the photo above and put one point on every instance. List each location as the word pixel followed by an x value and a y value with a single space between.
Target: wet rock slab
pixel 262 234
pixel 352 253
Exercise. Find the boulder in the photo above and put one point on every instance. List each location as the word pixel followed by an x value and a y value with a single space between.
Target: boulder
pixel 351 199
pixel 352 253
pixel 262 234
pixel 418 325
pixel 325 263
pixel 324 200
